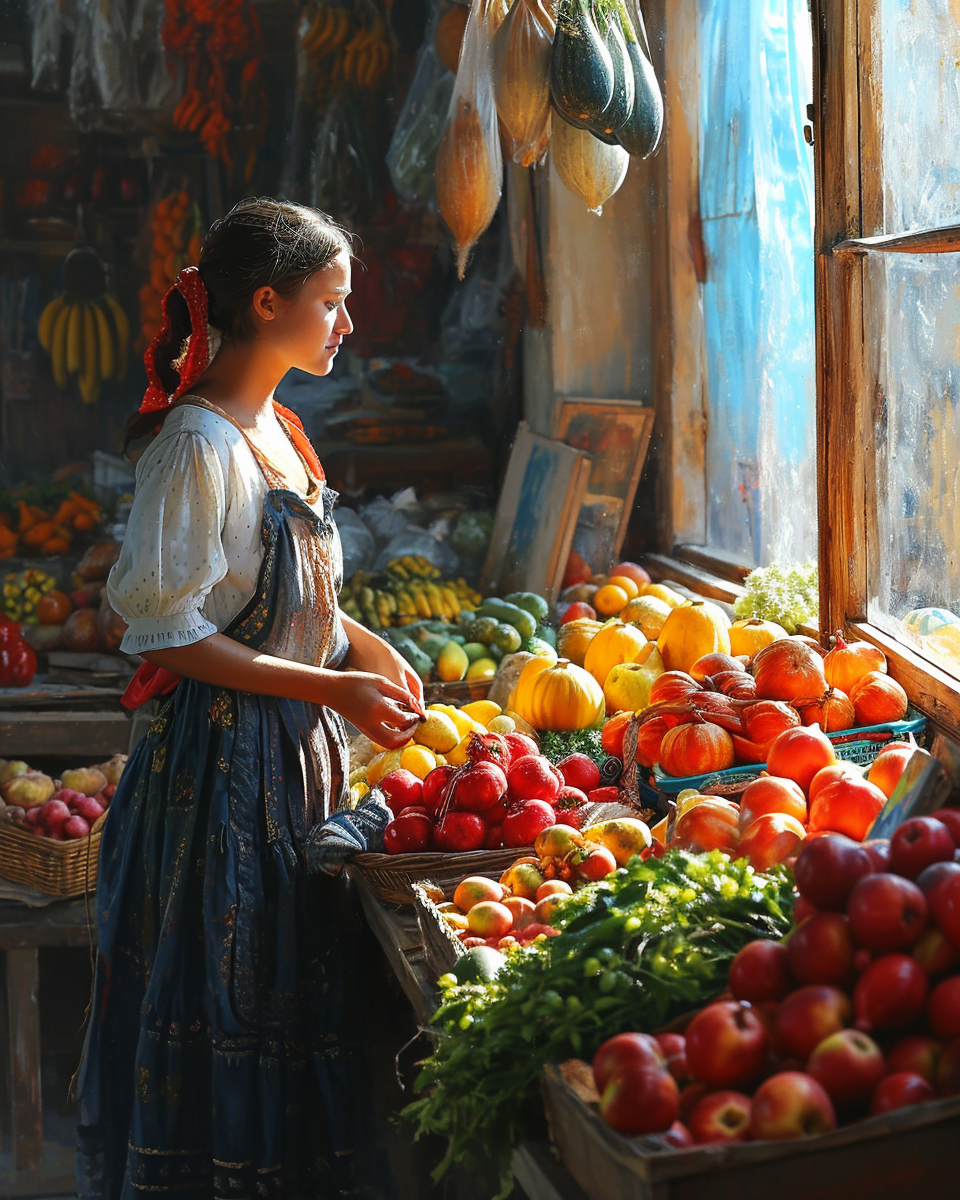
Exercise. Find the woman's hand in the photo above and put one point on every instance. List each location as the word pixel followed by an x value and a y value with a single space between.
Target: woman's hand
pixel 378 707
pixel 371 653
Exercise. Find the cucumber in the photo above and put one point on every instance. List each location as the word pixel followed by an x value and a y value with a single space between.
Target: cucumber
pixel 535 605
pixel 466 617
pixel 421 663
pixel 509 614
pixel 432 645
pixel 484 629
pixel 547 634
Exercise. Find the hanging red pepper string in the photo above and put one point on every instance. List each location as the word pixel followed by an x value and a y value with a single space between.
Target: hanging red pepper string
pixel 210 35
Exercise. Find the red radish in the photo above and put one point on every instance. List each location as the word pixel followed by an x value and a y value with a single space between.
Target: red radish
pixel 408 834
pixel 435 785
pixel 579 771
pixel 604 795
pixel 533 777
pixel 480 787
pixel 75 827
pixel 569 807
pixel 460 831
pixel 402 789
pixel 519 745
pixel 525 821
pixel 494 838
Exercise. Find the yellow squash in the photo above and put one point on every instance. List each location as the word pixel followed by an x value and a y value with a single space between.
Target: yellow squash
pixel 612 644
pixel 565 697
pixel 693 629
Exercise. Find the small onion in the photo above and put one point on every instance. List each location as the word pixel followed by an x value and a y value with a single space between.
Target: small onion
pixel 848 662
pixel 832 711
pixel 788 669
pixel 878 699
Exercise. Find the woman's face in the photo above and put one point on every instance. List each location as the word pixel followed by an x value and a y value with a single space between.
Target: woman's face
pixel 309 325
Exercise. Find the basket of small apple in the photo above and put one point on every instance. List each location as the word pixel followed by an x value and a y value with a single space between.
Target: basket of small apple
pixel 844 1037
pixel 50 828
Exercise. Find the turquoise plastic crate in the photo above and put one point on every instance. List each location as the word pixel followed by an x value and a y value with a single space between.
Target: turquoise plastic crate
pixel 860 746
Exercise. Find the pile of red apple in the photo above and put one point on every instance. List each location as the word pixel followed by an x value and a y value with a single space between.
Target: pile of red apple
pixel 855 1013
pixel 504 796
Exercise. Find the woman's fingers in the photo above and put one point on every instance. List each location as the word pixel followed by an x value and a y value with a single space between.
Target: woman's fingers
pixel 415 688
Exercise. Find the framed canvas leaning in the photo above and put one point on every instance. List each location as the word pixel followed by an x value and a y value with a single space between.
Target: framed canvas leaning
pixel 616 434
pixel 537 512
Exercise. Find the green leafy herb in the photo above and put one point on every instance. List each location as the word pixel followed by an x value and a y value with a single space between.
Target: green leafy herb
pixel 581 741
pixel 649 943
pixel 788 595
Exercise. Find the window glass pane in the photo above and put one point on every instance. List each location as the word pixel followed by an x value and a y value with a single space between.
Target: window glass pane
pixel 756 202
pixel 912 330
pixel 919 114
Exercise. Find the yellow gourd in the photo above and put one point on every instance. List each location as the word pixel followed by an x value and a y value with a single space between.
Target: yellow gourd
pixel 751 634
pixel 520 700
pixel 614 643
pixel 565 697
pixel 648 613
pixel 574 637
pixel 661 592
pixel 627 687
pixel 693 629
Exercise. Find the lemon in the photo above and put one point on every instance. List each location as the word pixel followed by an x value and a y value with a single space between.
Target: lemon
pixel 464 722
pixel 458 756
pixel 482 669
pixel 418 759
pixel 437 731
pixel 482 710
pixel 503 724
pixel 382 765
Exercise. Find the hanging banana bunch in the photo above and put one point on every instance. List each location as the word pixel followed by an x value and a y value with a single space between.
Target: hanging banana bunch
pixel 84 329
pixel 343 46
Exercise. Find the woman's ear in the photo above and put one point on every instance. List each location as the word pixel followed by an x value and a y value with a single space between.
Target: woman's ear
pixel 264 304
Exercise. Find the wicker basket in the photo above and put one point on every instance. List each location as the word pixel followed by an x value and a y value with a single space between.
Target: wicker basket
pixel 56 868
pixel 441 946
pixel 462 691
pixel 392 876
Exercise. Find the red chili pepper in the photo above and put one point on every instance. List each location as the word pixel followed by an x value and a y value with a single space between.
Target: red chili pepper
pixel 604 795
pixel 24 665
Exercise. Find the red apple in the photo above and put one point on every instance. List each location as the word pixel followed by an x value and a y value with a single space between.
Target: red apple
pixel 760 972
pixel 890 993
pixel 821 950
pixel 887 912
pixel 625 1050
pixel 726 1044
pixel 948 1069
pixel 435 786
pixel 943 1008
pixel 479 788
pixel 525 821
pixel 918 843
pixel 771 838
pixel 951 818
pixel 673 1046
pixel 809 1015
pixel 75 827
pixel 640 1099
pixel 915 1054
pixel 943 897
pixel 721 1117
pixel 410 834
pixel 690 1097
pixel 712 824
pixel 459 831
pixel 935 952
pixel 533 777
pixel 577 611
pixel 53 814
pixel 849 1065
pixel 802 908
pixel 899 1090
pixel 879 851
pixel 791 1105
pixel 827 869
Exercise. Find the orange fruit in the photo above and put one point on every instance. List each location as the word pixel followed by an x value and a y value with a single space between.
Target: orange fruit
pixel 627 584
pixel 609 599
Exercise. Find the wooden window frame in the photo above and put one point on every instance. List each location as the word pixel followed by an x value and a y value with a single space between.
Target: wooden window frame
pixel 846 144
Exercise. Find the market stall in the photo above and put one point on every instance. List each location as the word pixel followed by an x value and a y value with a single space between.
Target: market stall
pixel 645 448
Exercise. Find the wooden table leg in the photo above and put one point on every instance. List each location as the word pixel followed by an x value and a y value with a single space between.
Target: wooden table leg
pixel 23 1014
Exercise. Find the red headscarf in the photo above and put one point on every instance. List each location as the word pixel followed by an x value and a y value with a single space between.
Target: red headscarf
pixel 191 287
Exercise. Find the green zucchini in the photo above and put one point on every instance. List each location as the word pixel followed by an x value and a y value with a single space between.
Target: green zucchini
pixel 548 634
pixel 640 134
pixel 534 604
pixel 421 663
pixel 524 622
pixel 619 109
pixel 581 73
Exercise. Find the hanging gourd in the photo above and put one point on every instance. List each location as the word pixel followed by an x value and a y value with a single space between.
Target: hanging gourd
pixel 589 168
pixel 640 133
pixel 581 72
pixel 469 166
pixel 521 50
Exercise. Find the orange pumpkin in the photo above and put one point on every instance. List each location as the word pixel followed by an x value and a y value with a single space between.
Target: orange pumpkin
pixel 697 748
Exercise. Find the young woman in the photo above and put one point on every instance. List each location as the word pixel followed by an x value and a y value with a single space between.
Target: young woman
pixel 215 1063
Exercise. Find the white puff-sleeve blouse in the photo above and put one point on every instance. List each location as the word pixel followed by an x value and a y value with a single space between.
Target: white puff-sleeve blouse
pixel 192 552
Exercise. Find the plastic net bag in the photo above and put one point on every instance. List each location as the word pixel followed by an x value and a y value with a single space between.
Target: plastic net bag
pixel 521 50
pixel 101 75
pixel 413 147
pixel 469 169
pixel 356 540
pixel 414 540
pixel 45 45
pixel 386 518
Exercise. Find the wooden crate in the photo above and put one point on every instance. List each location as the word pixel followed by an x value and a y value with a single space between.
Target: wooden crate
pixel 912 1152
